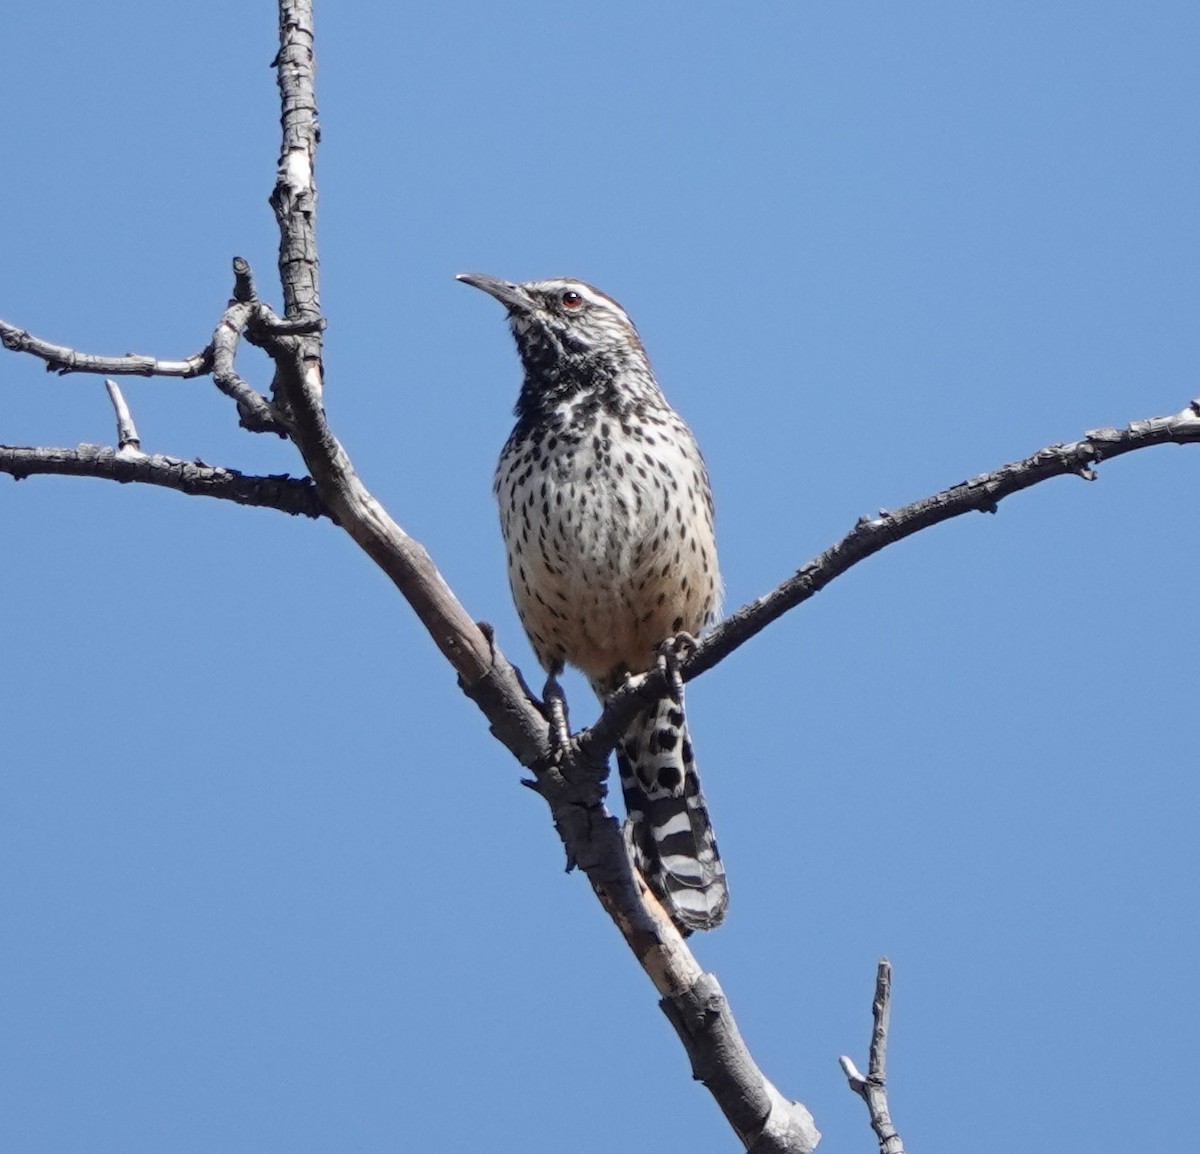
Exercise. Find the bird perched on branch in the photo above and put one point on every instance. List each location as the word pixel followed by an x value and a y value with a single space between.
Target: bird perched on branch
pixel 607 517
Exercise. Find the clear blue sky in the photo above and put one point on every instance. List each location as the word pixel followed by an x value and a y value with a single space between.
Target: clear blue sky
pixel 265 880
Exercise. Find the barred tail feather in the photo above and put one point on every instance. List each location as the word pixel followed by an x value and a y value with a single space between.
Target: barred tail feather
pixel 668 832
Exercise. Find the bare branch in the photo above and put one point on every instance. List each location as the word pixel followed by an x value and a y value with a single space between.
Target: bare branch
pixel 483 672
pixel 269 325
pixel 127 434
pixel 763 1119
pixel 244 292
pixel 294 198
pixel 573 786
pixel 571 780
pixel 62 360
pixel 299 370
pixel 294 495
pixel 255 412
pixel 873 1088
pixel 980 494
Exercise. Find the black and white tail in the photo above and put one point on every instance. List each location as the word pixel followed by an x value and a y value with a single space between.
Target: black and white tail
pixel 668 833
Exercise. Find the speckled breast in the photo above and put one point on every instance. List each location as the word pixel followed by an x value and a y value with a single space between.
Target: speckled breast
pixel 609 532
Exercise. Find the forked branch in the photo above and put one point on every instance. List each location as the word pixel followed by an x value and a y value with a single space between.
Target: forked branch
pixel 573 787
pixel 572 781
pixel 872 1088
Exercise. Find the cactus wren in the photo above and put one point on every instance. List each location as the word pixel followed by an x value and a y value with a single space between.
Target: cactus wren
pixel 608 521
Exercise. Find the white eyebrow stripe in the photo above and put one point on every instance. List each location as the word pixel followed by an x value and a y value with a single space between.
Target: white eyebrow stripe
pixel 592 295
pixel 596 297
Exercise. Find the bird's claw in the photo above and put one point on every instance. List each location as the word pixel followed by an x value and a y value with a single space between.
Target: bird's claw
pixel 556 714
pixel 680 647
pixel 672 653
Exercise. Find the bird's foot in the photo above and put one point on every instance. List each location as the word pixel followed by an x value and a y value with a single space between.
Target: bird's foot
pixel 672 653
pixel 556 713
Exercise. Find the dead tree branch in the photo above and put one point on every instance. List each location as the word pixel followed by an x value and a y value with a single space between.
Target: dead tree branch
pixel 571 780
pixel 255 412
pixel 62 360
pixel 128 441
pixel 295 495
pixel 573 787
pixel 873 1088
pixel 981 494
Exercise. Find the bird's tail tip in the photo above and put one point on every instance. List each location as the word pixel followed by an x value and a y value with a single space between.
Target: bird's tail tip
pixel 670 841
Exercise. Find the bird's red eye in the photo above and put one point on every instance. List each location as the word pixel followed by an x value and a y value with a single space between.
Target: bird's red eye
pixel 571 299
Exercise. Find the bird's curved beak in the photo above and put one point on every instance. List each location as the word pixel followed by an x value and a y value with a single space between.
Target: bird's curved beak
pixel 512 296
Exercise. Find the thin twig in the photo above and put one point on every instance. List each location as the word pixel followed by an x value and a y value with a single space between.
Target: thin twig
pixel 62 360
pixel 294 495
pixel 244 292
pixel 255 411
pixel 128 440
pixel 980 494
pixel 266 324
pixel 873 1088
pixel 881 1015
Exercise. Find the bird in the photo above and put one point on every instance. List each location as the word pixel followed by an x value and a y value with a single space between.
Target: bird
pixel 607 517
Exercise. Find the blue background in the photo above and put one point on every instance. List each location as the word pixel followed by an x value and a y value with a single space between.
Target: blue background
pixel 267 883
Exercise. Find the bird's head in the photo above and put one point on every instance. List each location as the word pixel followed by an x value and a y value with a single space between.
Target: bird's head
pixel 565 326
